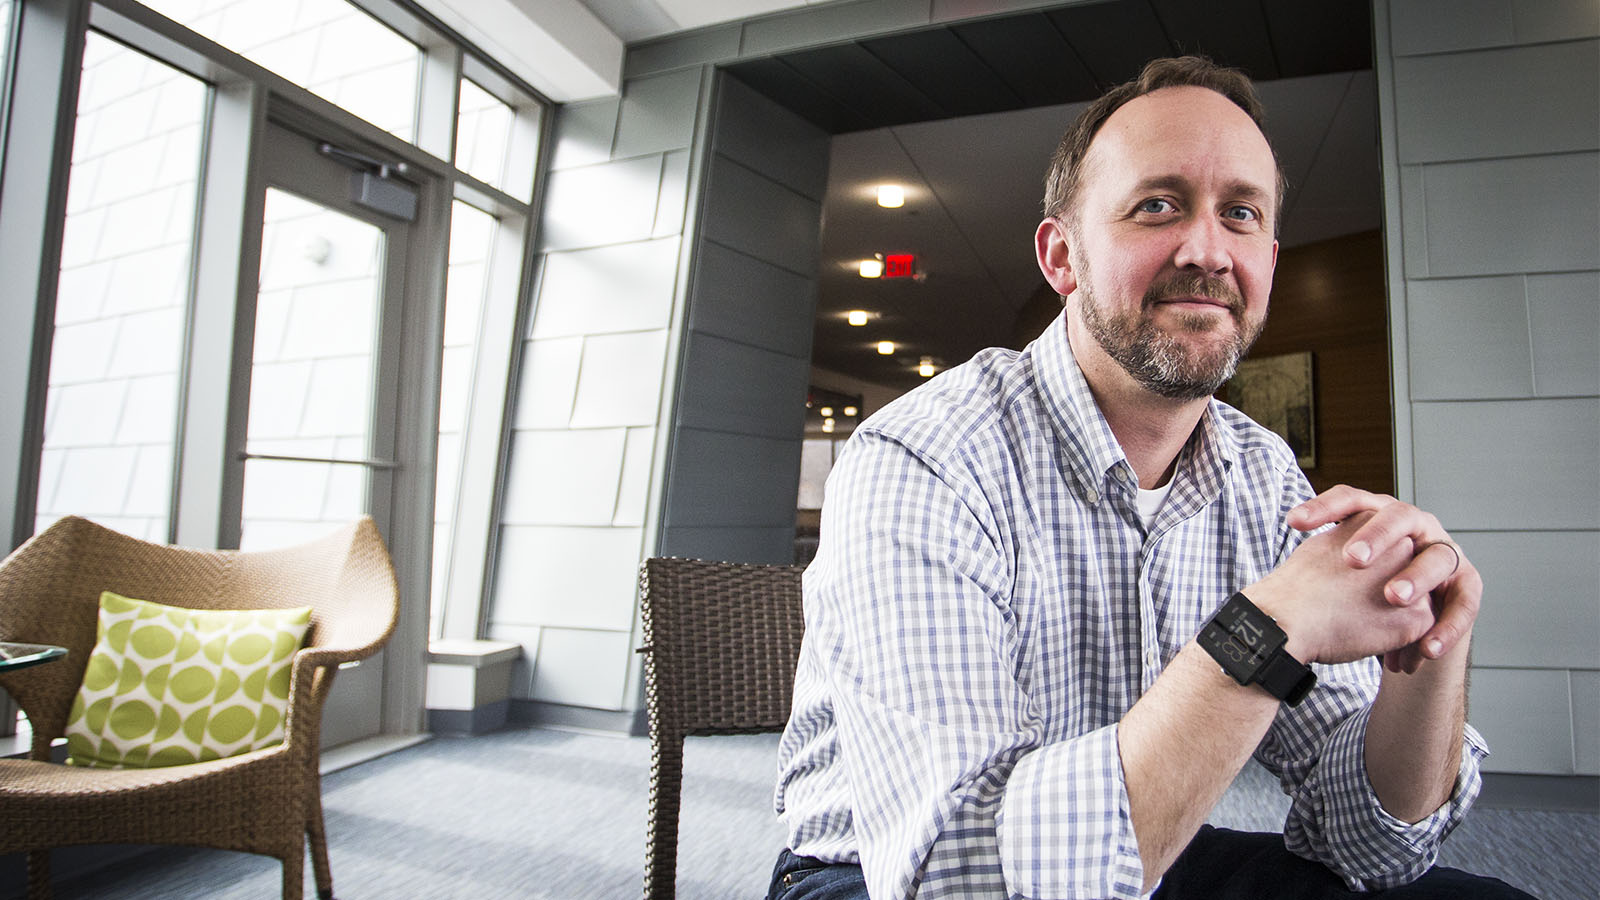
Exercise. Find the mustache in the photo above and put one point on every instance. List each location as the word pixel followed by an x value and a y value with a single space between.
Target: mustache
pixel 1194 284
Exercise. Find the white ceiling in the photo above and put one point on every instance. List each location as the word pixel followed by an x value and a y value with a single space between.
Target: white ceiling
pixel 639 20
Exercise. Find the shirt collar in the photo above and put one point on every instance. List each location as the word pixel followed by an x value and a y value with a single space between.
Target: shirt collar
pixel 1090 449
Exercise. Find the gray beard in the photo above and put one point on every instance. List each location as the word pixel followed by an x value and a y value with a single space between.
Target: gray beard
pixel 1156 360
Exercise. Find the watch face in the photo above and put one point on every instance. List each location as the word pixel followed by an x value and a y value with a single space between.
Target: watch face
pixel 1241 638
pixel 1236 657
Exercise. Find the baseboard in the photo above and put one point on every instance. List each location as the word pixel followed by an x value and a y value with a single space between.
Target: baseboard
pixel 478 720
pixel 1558 793
pixel 580 718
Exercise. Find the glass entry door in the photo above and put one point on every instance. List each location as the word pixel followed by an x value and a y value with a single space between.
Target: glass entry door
pixel 320 439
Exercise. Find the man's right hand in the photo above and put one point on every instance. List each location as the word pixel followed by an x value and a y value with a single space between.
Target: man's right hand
pixel 1333 612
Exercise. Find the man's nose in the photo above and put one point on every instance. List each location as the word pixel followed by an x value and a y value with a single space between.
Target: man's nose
pixel 1203 245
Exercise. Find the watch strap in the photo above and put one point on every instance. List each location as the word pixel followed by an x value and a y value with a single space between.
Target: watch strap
pixel 1286 678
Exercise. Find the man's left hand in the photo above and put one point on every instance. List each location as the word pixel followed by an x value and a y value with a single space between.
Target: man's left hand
pixel 1439 573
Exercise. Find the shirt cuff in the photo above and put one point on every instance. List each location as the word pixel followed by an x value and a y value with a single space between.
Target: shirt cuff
pixel 1063 825
pixel 1344 825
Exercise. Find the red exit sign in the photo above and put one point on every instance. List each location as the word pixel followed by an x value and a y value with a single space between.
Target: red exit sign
pixel 898 265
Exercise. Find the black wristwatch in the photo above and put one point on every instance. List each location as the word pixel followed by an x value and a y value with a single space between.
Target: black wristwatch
pixel 1249 646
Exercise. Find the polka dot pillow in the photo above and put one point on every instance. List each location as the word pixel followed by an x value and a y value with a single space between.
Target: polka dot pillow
pixel 167 686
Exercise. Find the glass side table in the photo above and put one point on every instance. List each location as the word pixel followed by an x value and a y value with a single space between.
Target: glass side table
pixel 20 656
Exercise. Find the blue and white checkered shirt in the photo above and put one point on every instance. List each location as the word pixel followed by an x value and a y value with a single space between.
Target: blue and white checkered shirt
pixel 986 605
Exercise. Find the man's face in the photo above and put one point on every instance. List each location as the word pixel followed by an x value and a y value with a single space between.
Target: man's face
pixel 1171 240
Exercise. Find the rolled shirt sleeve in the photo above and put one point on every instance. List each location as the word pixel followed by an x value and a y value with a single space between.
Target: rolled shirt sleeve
pixel 1336 817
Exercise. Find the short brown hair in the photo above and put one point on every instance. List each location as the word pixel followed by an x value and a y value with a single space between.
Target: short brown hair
pixel 1065 177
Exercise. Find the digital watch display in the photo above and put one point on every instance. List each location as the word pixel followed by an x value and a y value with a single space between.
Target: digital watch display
pixel 1248 644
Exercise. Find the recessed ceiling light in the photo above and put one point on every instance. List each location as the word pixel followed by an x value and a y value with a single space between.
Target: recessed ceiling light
pixel 857 317
pixel 827 426
pixel 850 411
pixel 926 368
pixel 891 196
pixel 826 411
pixel 886 348
pixel 871 268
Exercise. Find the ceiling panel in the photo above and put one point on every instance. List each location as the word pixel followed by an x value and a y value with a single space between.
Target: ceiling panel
pixel 1114 40
pixel 777 80
pixel 1031 57
pixel 1234 31
pixel 947 71
pixel 1311 38
pixel 859 80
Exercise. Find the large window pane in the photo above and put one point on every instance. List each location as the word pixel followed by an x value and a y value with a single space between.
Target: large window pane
pixel 111 412
pixel 471 236
pixel 311 382
pixel 328 47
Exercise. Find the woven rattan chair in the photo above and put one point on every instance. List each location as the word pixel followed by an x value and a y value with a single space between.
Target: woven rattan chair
pixel 720 644
pixel 268 801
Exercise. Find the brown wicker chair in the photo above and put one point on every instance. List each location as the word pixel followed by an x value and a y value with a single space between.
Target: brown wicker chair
pixel 720 643
pixel 268 801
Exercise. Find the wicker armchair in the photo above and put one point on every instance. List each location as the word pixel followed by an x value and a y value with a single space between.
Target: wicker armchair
pixel 720 642
pixel 267 801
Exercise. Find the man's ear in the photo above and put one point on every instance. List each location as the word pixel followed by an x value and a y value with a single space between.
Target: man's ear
pixel 1050 244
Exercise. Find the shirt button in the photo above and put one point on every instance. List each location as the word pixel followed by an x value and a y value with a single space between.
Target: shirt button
pixel 1151 659
pixel 1092 495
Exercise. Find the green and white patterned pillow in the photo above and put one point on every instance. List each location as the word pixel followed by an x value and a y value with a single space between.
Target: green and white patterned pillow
pixel 167 686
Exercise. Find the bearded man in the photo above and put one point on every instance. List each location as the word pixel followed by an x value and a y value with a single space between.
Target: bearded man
pixel 1063 595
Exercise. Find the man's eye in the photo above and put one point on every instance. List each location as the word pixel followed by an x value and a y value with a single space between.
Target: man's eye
pixel 1155 205
pixel 1241 214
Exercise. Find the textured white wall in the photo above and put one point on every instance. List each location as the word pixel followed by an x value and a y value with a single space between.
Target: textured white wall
pixel 590 397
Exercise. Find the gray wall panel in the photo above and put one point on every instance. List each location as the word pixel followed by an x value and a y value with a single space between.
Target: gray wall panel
pixel 1476 105
pixel 609 203
pixel 753 214
pixel 723 479
pixel 733 469
pixel 583 133
pixel 1541 589
pixel 1524 214
pixel 1586 721
pixel 1509 465
pixel 771 140
pixel 710 45
pixel 744 299
pixel 1564 313
pixel 658 114
pixel 1469 338
pixel 1556 20
pixel 1423 27
pixel 1525 715
pixel 743 388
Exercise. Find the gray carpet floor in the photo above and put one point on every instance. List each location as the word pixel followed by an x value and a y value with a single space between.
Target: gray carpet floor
pixel 534 813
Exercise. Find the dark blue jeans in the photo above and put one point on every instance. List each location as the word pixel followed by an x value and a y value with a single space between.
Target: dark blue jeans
pixel 1217 865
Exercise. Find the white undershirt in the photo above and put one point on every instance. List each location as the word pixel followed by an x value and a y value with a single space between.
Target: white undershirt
pixel 1150 503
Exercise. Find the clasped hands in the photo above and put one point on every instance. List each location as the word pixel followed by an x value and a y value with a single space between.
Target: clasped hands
pixel 1387 581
